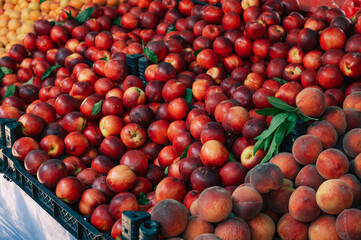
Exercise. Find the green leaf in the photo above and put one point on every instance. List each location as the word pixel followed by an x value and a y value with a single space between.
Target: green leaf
pixel 171 29
pixel 258 145
pixel 231 158
pixel 62 157
pixel 59 23
pixel 275 123
pixel 151 55
pixel 84 15
pixel 189 95
pixel 97 107
pixel 10 91
pixel 48 72
pixel 41 1
pixel 2 75
pixel 195 53
pixel 117 22
pixel 291 122
pixel 142 200
pixel 280 80
pixel 269 111
pixel 278 103
pixel 276 141
pixel 306 118
pixel 6 70
pixel 185 152
pixel 68 14
pixel 31 80
pixel 166 170
pixel 231 215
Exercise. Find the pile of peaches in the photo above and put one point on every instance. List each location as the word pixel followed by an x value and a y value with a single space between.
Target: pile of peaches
pixel 184 142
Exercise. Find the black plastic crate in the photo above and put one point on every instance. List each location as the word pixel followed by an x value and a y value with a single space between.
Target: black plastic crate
pixel 206 3
pixel 132 63
pixel 3 122
pixel 60 211
pixel 143 63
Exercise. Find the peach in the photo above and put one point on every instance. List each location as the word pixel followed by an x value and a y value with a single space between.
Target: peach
pixel 353 118
pixel 355 185
pixel 214 204
pixel 311 102
pixel 208 236
pixel 306 148
pixel 352 142
pixel 348 224
pixel 196 226
pixel 193 209
pixel 272 214
pixel 278 200
pixel 266 177
pixel 325 132
pixel 323 228
pixel 164 212
pixel 233 229
pixel 333 196
pixel 247 202
pixel 357 165
pixel 287 163
pixel 353 101
pixel 262 227
pixel 337 117
pixel 309 176
pixel 289 228
pixel 302 204
pixel 332 163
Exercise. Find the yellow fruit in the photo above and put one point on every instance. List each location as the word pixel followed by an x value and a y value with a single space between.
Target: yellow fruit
pixel 14 24
pixel 34 5
pixel 34 15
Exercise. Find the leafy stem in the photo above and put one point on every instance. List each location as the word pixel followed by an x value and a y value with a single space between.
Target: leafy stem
pixel 284 120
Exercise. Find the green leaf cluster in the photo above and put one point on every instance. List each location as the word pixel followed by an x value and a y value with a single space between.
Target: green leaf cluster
pixel 150 54
pixel 142 200
pixel 48 72
pixel 97 107
pixel 283 122
pixel 84 15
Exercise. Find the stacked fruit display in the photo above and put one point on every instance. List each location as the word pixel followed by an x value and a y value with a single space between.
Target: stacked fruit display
pixel 224 86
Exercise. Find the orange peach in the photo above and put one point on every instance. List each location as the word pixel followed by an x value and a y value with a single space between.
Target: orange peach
pixel 233 228
pixel 353 101
pixel 164 212
pixel 302 204
pixel 355 185
pixel 289 228
pixel 311 102
pixel 332 163
pixel 309 176
pixel 287 163
pixel 337 117
pixel 278 200
pixel 266 177
pixel 323 228
pixel 214 204
pixel 352 142
pixel 325 132
pixel 247 202
pixel 262 227
pixel 348 224
pixel 306 148
pixel 353 118
pixel 333 196
pixel 197 226
pixel 356 163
